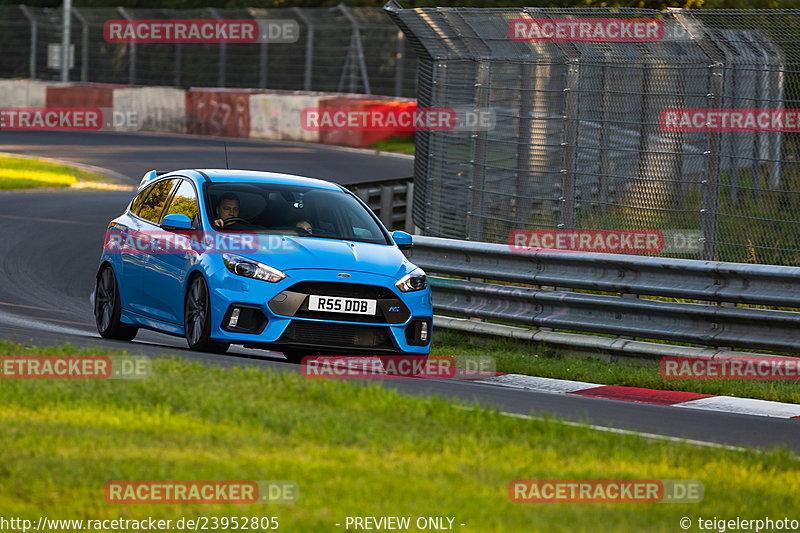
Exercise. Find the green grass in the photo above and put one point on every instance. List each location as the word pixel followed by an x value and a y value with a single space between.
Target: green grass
pixel 25 173
pixel 538 359
pixel 353 450
pixel 404 144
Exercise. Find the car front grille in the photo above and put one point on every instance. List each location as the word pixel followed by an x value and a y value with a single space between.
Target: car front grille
pixel 294 302
pixel 349 290
pixel 336 335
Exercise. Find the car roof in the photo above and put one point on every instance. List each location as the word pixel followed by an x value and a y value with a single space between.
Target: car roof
pixel 254 176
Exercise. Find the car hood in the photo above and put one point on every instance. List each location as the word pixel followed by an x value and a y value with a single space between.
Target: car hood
pixel 288 253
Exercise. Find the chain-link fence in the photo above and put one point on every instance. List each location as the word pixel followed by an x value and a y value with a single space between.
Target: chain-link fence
pixel 583 137
pixel 338 49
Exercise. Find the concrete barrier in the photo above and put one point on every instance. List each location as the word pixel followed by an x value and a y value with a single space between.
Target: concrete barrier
pixel 276 116
pixel 157 109
pixel 272 115
pixel 88 95
pixel 371 104
pixel 23 93
pixel 221 112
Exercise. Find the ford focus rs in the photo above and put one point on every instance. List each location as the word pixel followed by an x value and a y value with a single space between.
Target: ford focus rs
pixel 263 260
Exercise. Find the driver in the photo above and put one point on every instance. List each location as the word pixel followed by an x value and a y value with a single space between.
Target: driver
pixel 305 225
pixel 228 207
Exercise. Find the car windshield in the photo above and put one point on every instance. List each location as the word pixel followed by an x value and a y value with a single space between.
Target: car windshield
pixel 290 210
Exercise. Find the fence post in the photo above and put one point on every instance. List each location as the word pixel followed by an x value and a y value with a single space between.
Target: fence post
pixel 524 173
pixel 309 48
pixel 479 141
pixel 84 43
pixel 399 63
pixel 66 28
pixel 132 64
pixel 355 42
pixel 710 209
pixel 263 64
pixel 571 145
pixel 223 52
pixel 34 28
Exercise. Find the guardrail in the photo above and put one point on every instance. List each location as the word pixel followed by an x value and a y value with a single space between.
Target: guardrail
pixel 390 200
pixel 538 289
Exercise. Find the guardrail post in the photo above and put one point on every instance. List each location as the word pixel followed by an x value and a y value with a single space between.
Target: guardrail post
pixel 386 211
pixel 409 223
pixel 34 31
pixel 132 54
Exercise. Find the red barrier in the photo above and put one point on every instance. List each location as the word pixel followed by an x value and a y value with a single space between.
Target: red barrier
pixel 90 95
pixel 222 112
pixel 363 138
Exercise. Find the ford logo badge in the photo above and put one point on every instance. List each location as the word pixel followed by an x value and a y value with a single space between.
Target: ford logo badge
pixel 343 275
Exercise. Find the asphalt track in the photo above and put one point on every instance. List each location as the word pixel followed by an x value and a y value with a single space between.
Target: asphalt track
pixel 134 154
pixel 50 244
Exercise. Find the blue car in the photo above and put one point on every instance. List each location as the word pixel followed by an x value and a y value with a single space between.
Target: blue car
pixel 263 260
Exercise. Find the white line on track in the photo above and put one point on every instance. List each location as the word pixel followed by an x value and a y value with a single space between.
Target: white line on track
pixel 653 436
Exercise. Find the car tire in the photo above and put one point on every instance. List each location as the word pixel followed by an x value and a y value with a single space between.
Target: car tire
pixel 197 318
pixel 107 308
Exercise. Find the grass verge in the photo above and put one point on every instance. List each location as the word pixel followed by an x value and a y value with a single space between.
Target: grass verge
pixel 353 450
pixel 518 357
pixel 28 173
pixel 404 144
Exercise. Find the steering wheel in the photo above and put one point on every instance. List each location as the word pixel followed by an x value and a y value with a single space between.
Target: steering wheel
pixel 235 219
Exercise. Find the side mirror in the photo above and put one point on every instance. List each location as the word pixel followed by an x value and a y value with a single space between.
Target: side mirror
pixel 402 239
pixel 176 221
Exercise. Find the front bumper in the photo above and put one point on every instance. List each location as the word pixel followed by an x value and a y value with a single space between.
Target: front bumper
pixel 276 316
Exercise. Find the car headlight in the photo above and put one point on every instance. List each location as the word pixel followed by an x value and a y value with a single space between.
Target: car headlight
pixel 248 268
pixel 416 281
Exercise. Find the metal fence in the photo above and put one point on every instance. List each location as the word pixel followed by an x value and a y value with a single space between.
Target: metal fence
pixel 713 303
pixel 579 140
pixel 339 49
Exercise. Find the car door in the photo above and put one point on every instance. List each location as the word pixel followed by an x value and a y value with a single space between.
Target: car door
pixel 139 266
pixel 173 257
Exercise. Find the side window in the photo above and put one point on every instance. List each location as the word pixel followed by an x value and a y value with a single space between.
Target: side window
pixel 153 205
pixel 137 202
pixel 185 203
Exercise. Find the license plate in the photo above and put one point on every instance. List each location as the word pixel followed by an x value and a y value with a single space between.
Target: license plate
pixel 336 304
